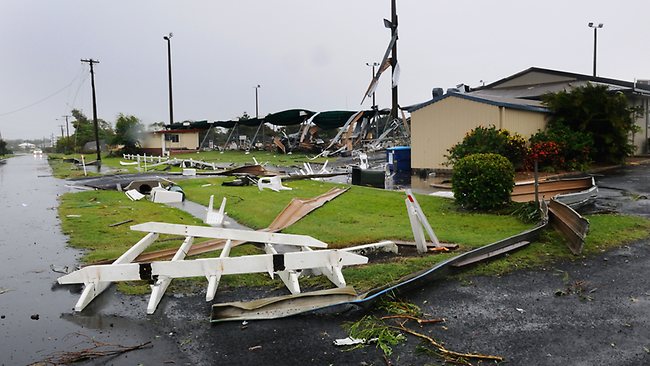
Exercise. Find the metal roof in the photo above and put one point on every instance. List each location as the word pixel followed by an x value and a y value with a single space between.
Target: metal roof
pixel 643 88
pixel 499 101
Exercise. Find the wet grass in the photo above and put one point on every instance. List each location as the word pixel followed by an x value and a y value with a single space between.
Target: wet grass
pixel 86 218
pixel 63 170
pixel 361 215
pixel 606 232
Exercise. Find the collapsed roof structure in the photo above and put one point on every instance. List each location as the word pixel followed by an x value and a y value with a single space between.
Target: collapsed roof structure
pixel 368 129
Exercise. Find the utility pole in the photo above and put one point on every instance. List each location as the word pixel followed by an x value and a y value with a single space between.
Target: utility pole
pixel 61 131
pixel 393 62
pixel 92 84
pixel 67 129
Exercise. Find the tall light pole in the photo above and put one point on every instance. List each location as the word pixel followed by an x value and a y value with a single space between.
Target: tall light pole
pixel 373 65
pixel 595 27
pixel 168 38
pixel 257 107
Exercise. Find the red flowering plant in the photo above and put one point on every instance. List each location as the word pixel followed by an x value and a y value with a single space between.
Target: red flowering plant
pixel 548 155
pixel 559 148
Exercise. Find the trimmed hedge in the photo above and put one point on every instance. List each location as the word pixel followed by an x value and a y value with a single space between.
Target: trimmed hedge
pixel 483 181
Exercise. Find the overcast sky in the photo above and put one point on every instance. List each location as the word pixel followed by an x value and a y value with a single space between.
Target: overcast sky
pixel 304 54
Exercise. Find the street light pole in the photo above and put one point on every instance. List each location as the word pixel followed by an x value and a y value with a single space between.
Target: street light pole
pixel 257 109
pixel 257 117
pixel 168 38
pixel 373 65
pixel 595 27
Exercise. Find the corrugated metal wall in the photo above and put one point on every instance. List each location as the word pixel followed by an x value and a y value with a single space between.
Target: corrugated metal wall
pixel 437 127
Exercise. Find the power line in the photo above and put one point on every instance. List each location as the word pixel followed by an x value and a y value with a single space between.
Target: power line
pixel 41 100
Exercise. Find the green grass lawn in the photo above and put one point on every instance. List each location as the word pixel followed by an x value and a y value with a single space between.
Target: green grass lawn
pixel 361 215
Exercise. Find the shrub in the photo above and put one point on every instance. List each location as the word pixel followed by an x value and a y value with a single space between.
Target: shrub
pixel 559 147
pixel 608 117
pixel 483 181
pixel 490 140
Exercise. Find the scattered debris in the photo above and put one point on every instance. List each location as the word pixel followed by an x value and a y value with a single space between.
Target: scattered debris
pixel 579 288
pixel 254 348
pixel 171 195
pixel 134 195
pixel 4 290
pixel 35 317
pixel 73 216
pixel 64 269
pixel 216 218
pixel 573 190
pixel 382 246
pixel 273 183
pixel 418 221
pixel 570 224
pixel 294 211
pixel 94 349
pixel 282 306
pixel 349 341
pixel 120 223
pixel 288 266
pixel 390 330
pixel 491 254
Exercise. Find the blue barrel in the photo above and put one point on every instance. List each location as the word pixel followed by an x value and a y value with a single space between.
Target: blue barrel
pixel 399 159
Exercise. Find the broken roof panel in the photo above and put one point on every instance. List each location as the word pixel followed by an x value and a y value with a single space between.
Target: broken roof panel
pixel 289 117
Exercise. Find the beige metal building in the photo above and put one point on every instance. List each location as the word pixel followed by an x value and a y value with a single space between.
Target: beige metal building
pixel 443 122
pixel 512 103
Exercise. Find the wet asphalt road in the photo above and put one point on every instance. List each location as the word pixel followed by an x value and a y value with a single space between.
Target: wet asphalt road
pixel 517 316
pixel 35 313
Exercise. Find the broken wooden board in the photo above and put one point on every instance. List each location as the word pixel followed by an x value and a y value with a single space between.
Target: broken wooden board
pixel 294 211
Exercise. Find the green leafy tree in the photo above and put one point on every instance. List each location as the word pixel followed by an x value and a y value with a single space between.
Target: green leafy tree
pixel 4 150
pixel 128 131
pixel 65 145
pixel 607 117
pixel 85 130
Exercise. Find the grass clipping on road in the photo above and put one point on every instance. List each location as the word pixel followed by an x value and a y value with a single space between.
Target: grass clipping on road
pixel 361 215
